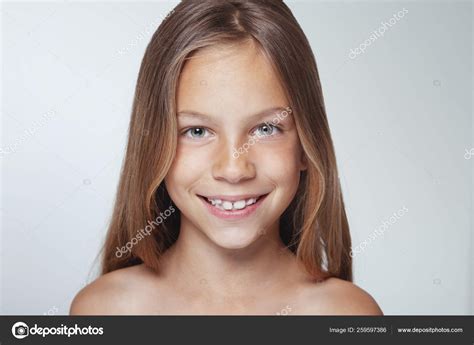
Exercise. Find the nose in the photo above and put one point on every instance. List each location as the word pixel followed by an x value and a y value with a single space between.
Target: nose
pixel 230 167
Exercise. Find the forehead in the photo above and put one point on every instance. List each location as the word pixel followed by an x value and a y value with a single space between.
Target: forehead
pixel 229 78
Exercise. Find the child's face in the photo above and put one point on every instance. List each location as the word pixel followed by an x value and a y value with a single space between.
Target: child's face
pixel 228 151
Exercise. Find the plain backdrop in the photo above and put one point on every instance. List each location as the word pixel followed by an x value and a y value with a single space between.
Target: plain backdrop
pixel 400 115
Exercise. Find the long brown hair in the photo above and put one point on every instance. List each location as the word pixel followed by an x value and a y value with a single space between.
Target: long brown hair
pixel 314 226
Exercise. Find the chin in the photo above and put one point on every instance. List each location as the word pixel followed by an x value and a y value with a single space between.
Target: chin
pixel 233 238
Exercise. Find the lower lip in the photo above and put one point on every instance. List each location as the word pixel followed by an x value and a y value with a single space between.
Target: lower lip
pixel 234 214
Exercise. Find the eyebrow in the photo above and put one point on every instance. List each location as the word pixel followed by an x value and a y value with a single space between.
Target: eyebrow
pixel 256 116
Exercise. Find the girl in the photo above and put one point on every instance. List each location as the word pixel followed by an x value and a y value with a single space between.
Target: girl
pixel 229 200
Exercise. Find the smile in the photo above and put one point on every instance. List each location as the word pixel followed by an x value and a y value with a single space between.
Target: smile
pixel 232 206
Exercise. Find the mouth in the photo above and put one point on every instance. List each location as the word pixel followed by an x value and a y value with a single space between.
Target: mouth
pixel 233 206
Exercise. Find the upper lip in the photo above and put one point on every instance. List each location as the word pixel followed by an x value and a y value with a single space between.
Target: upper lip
pixel 233 197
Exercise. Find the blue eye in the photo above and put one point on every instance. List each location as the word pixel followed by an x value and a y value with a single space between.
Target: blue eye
pixel 195 132
pixel 267 130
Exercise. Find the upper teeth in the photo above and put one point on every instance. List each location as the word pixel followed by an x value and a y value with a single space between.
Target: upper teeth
pixel 229 205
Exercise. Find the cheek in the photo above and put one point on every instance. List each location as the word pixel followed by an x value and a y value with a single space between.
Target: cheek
pixel 188 166
pixel 280 161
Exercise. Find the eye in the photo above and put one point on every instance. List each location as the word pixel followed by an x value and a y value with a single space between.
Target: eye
pixel 266 129
pixel 195 132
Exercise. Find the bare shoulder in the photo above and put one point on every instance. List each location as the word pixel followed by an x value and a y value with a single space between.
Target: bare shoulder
pixel 348 298
pixel 111 293
pixel 336 296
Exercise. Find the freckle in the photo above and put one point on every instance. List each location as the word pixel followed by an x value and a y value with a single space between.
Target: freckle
pixel 203 83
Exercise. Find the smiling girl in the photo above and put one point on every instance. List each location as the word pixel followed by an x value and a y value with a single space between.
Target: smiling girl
pixel 256 232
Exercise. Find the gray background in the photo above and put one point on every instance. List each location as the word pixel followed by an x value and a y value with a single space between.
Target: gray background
pixel 400 115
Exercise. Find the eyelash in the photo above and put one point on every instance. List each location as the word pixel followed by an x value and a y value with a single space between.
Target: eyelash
pixel 277 128
pixel 185 131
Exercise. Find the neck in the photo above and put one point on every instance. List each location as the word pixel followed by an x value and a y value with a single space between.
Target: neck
pixel 195 261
